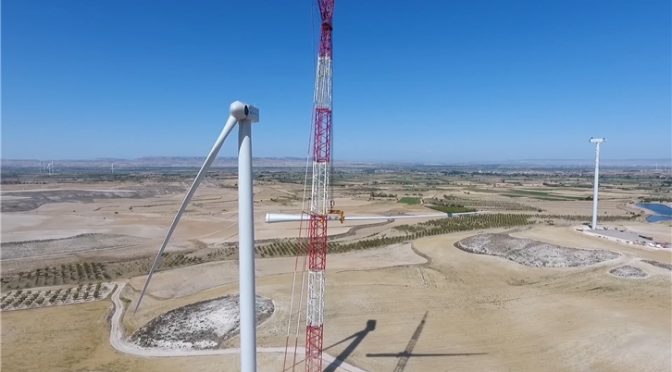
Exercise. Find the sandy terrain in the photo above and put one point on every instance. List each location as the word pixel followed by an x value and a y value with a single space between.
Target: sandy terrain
pixel 215 274
pixel 661 232
pixel 570 237
pixel 435 307
pixel 482 313
pixel 40 249
pixel 521 318
pixel 79 340
pixel 210 219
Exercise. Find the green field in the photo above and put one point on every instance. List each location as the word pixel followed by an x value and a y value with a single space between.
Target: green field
pixel 410 200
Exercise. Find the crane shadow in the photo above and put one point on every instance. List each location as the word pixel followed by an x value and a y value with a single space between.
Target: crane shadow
pixel 357 338
pixel 405 355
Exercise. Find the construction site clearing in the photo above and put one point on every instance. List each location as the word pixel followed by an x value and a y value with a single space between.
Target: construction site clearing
pixel 519 286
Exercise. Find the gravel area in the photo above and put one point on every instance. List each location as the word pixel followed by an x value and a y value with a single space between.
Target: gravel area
pixel 532 253
pixel 628 271
pixel 198 326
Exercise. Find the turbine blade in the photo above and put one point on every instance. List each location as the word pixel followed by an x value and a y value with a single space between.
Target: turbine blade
pixel 281 217
pixel 230 123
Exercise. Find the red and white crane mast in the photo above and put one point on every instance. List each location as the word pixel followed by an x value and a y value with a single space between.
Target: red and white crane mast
pixel 321 204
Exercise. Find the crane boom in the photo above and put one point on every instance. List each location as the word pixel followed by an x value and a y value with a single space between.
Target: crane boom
pixel 320 204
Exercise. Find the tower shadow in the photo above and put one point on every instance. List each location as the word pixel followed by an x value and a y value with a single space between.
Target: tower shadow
pixel 357 339
pixel 405 355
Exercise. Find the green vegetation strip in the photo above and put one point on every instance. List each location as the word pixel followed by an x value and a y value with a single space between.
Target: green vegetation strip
pixel 542 195
pixel 447 206
pixel 452 208
pixel 288 247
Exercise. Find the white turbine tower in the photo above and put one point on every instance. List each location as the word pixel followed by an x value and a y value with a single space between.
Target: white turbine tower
pixel 597 142
pixel 244 115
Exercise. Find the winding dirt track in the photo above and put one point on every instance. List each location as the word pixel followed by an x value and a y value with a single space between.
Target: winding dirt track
pixel 119 342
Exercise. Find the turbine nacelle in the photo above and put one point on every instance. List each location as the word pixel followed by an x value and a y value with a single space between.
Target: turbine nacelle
pixel 242 111
pixel 597 140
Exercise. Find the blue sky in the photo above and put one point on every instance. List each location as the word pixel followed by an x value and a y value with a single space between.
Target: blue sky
pixel 444 81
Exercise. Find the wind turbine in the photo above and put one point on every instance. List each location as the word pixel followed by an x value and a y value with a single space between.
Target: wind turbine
pixel 597 142
pixel 243 115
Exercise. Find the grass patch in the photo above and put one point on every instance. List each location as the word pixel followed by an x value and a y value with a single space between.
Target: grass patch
pixel 410 200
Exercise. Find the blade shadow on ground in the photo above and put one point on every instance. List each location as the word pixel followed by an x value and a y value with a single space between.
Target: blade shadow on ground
pixel 405 355
pixel 357 338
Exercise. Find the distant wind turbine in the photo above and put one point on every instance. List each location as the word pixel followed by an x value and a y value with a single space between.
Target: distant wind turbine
pixel 597 142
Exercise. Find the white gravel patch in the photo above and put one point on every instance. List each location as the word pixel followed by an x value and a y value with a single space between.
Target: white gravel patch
pixel 203 325
pixel 532 253
pixel 628 271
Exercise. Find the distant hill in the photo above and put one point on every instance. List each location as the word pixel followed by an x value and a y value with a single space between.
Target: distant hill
pixel 290 162
pixel 164 162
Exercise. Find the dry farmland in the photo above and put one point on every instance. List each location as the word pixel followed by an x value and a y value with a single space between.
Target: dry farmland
pixel 516 286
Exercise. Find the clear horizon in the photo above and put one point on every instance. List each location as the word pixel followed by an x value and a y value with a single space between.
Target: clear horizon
pixel 447 82
pixel 665 162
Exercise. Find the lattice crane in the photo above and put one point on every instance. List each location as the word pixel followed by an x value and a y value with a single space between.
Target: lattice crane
pixel 320 203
